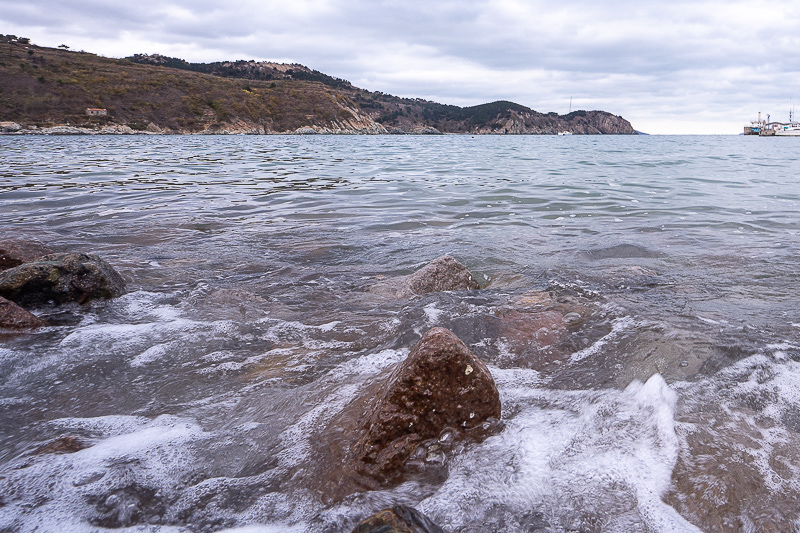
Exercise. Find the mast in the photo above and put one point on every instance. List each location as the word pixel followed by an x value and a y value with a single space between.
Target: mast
pixel 570 104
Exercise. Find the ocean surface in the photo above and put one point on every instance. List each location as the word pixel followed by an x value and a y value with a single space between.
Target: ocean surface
pixel 638 311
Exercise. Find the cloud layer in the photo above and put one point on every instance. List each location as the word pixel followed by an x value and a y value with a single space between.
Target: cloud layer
pixel 668 66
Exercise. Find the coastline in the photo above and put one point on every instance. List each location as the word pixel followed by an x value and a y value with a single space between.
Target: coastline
pixel 15 129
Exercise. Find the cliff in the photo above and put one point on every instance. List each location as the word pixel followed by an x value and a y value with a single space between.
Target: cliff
pixel 48 90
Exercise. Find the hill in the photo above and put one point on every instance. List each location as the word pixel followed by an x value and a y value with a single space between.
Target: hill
pixel 50 89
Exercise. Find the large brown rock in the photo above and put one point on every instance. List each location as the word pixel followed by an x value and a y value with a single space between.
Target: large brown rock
pixel 14 252
pixel 61 278
pixel 398 519
pixel 441 384
pixel 13 316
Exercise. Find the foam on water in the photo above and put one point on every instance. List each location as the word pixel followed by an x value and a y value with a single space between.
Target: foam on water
pixel 583 456
pixel 251 325
pixel 133 465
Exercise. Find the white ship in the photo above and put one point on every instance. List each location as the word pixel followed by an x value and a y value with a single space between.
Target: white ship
pixel 792 129
pixel 776 129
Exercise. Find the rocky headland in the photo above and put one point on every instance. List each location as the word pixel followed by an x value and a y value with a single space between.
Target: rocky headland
pixel 54 91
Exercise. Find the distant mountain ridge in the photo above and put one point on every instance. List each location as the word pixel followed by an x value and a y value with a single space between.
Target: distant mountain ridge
pixel 51 89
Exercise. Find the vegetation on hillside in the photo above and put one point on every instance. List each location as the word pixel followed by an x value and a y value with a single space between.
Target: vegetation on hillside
pixel 47 86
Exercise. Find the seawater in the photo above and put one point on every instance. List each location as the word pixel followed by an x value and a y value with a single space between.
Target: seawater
pixel 254 316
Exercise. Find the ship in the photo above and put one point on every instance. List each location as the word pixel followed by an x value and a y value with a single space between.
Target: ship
pixel 765 128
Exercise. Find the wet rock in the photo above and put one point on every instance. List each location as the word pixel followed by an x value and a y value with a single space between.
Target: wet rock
pixel 64 444
pixel 14 252
pixel 398 519
pixel 440 385
pixel 13 316
pixel 61 278
pixel 537 329
pixel 442 274
pixel 624 251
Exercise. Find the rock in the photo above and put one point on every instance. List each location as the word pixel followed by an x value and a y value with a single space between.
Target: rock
pixel 14 252
pixel 13 316
pixel 64 444
pixel 9 127
pixel 398 519
pixel 537 329
pixel 442 274
pixel 440 385
pixel 61 278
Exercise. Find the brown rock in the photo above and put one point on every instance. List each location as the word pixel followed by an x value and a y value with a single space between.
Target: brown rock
pixel 398 519
pixel 64 444
pixel 442 274
pixel 440 385
pixel 14 252
pixel 13 316
pixel 61 278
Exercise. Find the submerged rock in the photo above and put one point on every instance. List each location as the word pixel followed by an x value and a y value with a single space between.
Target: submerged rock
pixel 14 252
pixel 64 444
pixel 398 519
pixel 61 278
pixel 441 384
pixel 13 316
pixel 442 274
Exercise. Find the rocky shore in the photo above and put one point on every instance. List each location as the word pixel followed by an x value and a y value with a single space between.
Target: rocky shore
pixel 30 275
pixel 414 417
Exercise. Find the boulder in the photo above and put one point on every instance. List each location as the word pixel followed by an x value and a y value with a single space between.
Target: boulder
pixel 14 252
pixel 442 274
pixel 61 278
pixel 398 519
pixel 9 127
pixel 441 385
pixel 13 316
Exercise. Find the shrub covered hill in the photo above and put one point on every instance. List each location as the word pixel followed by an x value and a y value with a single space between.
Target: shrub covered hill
pixel 51 89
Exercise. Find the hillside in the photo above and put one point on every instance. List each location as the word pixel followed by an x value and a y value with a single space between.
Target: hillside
pixel 50 89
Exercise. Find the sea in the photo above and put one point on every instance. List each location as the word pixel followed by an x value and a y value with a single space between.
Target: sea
pixel 638 311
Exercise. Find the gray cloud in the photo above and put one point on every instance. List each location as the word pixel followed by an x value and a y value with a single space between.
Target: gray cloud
pixel 668 66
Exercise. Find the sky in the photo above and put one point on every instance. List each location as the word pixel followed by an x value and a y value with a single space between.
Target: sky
pixel 668 66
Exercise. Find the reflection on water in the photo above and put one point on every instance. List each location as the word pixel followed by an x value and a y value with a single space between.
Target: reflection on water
pixel 639 315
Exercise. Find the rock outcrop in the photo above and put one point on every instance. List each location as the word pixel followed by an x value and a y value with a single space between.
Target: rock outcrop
pixel 398 519
pixel 9 127
pixel 441 385
pixel 61 278
pixel 14 252
pixel 13 316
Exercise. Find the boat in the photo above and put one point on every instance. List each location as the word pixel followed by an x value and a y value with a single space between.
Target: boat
pixel 565 133
pixel 774 129
pixel 792 129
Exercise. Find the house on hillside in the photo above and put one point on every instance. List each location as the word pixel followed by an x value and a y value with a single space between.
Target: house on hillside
pixel 96 112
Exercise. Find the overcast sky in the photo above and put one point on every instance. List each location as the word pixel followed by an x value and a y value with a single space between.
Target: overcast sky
pixel 668 66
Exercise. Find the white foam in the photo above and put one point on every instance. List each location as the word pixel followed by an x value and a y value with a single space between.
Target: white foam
pixel 432 313
pixel 151 453
pixel 617 326
pixel 592 447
